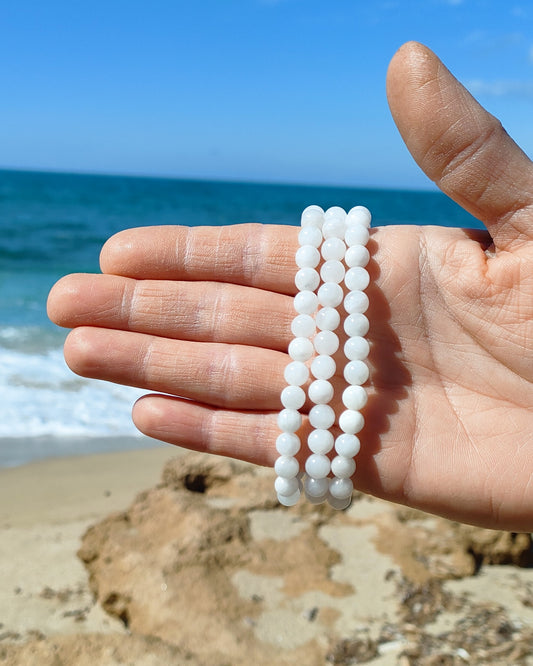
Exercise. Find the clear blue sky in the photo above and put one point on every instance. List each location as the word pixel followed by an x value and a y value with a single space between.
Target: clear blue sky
pixel 266 90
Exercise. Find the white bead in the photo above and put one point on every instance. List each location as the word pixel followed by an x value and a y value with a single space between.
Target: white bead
pixel 339 504
pixel 321 417
pixel 285 486
pixel 330 294
pixel 340 488
pixel 356 324
pixel 323 367
pixel 300 349
pixel 320 391
pixel 354 397
pixel 318 500
pixel 286 467
pixel 356 348
pixel 320 441
pixel 357 255
pixel 307 256
pixel 332 271
pixel 357 278
pixel 310 236
pixel 356 234
pixel 316 487
pixel 347 445
pixel 289 420
pixel 356 372
pixel 333 248
pixel 351 421
pixel 359 215
pixel 305 302
pixel 293 397
pixel 317 466
pixel 296 373
pixel 307 279
pixel 356 301
pixel 312 216
pixel 303 326
pixel 327 319
pixel 326 342
pixel 288 444
pixel 342 467
pixel 333 228
pixel 291 500
pixel 335 213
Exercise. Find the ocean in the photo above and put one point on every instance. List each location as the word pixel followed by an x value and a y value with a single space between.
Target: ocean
pixel 52 224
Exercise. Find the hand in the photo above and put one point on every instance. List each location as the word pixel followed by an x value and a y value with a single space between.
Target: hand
pixel 202 316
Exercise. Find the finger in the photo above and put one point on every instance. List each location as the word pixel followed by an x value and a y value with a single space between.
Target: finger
pixel 460 146
pixel 200 311
pixel 230 376
pixel 254 255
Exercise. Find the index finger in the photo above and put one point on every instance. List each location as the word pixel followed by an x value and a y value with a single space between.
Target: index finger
pixel 254 255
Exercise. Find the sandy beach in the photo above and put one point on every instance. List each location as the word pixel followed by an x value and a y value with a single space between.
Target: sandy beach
pixel 165 557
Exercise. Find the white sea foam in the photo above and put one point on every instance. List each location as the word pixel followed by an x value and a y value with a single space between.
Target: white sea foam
pixel 40 396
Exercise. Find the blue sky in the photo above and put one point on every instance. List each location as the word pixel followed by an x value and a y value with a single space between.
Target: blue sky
pixel 264 90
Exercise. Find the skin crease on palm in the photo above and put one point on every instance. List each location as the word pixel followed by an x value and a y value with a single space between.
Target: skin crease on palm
pixel 201 316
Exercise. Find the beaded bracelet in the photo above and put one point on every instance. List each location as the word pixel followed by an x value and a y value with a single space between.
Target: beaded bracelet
pixel 339 236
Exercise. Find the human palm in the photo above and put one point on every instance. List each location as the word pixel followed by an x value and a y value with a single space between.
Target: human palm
pixel 202 316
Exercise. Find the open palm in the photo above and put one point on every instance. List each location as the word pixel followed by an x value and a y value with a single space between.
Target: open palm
pixel 202 316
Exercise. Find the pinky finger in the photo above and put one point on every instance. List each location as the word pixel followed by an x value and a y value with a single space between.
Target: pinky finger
pixel 248 436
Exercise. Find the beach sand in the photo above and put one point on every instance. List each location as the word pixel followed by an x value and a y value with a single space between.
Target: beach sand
pixel 161 556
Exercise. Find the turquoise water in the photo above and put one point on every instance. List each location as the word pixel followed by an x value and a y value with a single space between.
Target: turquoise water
pixel 53 224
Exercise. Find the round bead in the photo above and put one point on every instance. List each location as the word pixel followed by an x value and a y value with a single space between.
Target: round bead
pixel 357 278
pixel 285 486
pixel 356 348
pixel 317 466
pixel 351 422
pixel 347 445
pixel 330 294
pixel 356 234
pixel 289 420
pixel 300 349
pixel 288 444
pixel 333 228
pixel 316 487
pixel 286 467
pixel 310 236
pixel 359 215
pixel 333 248
pixel 356 301
pixel 323 367
pixel 356 372
pixel 356 324
pixel 293 397
pixel 326 342
pixel 317 500
pixel 307 256
pixel 307 279
pixel 357 255
pixel 320 391
pixel 342 467
pixel 296 373
pixel 341 488
pixel 291 500
pixel 354 397
pixel 332 271
pixel 321 417
pixel 305 302
pixel 303 326
pixel 320 441
pixel 335 213
pixel 327 319
pixel 312 216
pixel 339 504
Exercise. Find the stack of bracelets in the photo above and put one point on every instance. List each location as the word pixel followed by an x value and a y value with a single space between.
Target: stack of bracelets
pixel 338 240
